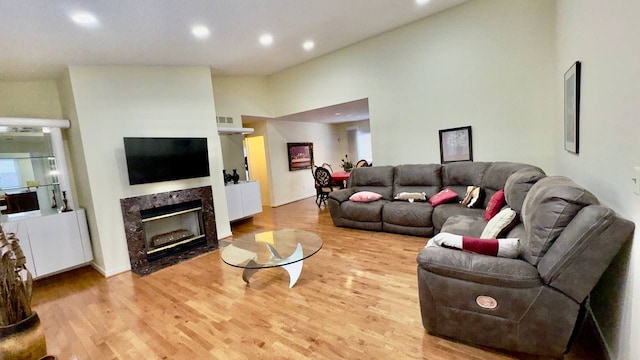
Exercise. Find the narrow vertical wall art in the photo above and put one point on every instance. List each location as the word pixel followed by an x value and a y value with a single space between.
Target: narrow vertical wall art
pixel 572 108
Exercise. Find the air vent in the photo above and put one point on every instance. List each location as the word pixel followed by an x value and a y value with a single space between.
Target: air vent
pixel 224 120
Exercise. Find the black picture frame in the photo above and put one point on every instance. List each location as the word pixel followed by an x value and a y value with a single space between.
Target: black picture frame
pixel 300 155
pixel 456 145
pixel 572 108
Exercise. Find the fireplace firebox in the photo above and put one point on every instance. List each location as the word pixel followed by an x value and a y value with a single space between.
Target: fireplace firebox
pixel 172 228
pixel 166 228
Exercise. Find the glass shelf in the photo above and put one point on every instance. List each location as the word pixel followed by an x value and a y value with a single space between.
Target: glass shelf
pixel 48 157
pixel 34 188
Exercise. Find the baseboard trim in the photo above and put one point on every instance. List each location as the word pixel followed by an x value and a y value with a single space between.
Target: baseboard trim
pixel 109 273
pixel 292 201
pixel 591 317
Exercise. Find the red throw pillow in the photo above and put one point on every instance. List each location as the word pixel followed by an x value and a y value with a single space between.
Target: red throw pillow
pixel 494 205
pixel 442 197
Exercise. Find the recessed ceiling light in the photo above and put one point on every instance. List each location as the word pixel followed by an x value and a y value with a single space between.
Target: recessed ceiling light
pixel 422 2
pixel 337 114
pixel 266 39
pixel 200 31
pixel 84 18
pixel 308 45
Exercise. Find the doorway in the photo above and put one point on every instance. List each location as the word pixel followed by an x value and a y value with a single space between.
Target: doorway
pixel 257 163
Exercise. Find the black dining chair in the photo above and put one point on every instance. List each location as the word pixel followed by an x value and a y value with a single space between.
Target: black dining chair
pixel 323 185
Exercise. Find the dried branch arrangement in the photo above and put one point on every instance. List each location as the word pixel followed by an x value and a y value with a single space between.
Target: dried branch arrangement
pixel 15 281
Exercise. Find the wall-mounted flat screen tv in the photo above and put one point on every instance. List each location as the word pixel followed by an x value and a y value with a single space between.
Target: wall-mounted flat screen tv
pixel 162 159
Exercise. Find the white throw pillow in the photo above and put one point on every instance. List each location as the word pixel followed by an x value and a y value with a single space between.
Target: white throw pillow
pixel 498 223
pixel 411 196
pixel 471 197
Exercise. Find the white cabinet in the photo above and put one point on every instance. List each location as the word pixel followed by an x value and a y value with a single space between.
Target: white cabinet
pixel 243 200
pixel 234 201
pixel 52 242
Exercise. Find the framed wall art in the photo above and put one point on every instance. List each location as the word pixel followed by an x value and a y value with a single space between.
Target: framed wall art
pixel 300 156
pixel 455 145
pixel 572 108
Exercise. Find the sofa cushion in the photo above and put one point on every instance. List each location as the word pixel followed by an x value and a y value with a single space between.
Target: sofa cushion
pixel 549 207
pixel 517 231
pixel 464 225
pixel 459 175
pixel 442 197
pixel 359 211
pixel 445 211
pixel 499 172
pixel 378 179
pixel 417 179
pixel 488 270
pixel 365 196
pixel 408 214
pixel 519 184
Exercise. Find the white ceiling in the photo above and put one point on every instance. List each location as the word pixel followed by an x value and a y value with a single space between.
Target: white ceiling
pixel 350 111
pixel 38 39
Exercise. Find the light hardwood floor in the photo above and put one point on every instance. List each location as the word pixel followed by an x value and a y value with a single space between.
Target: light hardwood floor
pixel 356 299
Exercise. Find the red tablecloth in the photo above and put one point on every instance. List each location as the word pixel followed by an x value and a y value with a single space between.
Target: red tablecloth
pixel 340 176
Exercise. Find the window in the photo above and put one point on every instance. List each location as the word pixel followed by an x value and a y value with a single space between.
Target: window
pixel 9 174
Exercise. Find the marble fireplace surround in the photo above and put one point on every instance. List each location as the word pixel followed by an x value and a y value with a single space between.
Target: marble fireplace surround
pixel 134 231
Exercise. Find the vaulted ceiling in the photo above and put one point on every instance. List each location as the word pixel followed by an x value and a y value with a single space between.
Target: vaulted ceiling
pixel 39 38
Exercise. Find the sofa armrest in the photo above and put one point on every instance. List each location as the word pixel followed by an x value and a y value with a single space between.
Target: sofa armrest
pixel 584 250
pixel 341 195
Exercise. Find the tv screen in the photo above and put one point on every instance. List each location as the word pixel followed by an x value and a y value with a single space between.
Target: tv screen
pixel 162 159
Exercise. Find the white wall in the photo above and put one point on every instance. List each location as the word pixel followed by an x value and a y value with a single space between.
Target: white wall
pixel 31 99
pixel 604 37
pixel 486 63
pixel 114 102
pixel 237 96
pixel 288 186
pixel 343 145
pixel 242 95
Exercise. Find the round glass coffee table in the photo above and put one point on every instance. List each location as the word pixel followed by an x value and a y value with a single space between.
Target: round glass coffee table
pixel 281 248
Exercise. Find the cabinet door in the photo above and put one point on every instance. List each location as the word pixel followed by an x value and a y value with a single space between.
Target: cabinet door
pixel 55 242
pixel 20 229
pixel 251 202
pixel 234 202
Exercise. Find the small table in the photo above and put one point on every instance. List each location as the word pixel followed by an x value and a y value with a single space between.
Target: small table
pixel 340 177
pixel 281 248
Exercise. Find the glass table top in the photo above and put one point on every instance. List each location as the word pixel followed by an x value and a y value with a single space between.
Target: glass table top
pixel 271 249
